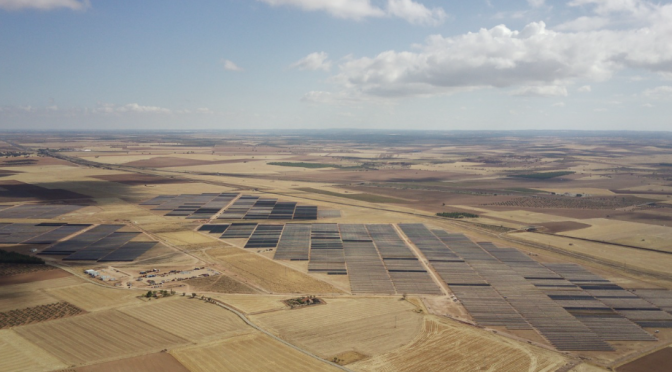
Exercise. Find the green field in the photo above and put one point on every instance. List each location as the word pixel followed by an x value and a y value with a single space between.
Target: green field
pixel 542 175
pixel 457 215
pixel 371 198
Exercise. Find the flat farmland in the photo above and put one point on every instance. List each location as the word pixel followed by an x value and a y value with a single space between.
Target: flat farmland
pixel 630 233
pixel 447 345
pixel 267 274
pixel 24 299
pixel 98 337
pixel 252 352
pixel 19 296
pixel 158 362
pixel 187 318
pixel 368 326
pixel 250 304
pixel 18 355
pixel 91 297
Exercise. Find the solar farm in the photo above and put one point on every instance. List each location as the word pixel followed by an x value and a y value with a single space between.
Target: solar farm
pixel 77 242
pixel 230 206
pixel 568 305
pixel 245 258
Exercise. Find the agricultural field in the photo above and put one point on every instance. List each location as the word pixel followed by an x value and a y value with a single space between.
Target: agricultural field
pixel 168 314
pixel 601 203
pixel 266 274
pixel 98 337
pixel 367 326
pixel 92 297
pixel 18 354
pixel 444 343
pixel 251 352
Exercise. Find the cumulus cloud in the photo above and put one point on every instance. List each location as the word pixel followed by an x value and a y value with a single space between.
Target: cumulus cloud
pixel 44 4
pixel 415 13
pixel 313 61
pixel 662 92
pixel 230 66
pixel 584 89
pixel 408 10
pixel 536 60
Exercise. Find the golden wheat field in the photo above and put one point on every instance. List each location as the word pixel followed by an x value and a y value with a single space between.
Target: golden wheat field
pixel 268 274
pixel 98 337
pixel 369 326
pixel 19 355
pixel 445 345
pixel 189 318
pixel 251 352
pixel 92 297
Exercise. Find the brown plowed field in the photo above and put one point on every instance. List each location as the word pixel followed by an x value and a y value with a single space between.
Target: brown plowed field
pixel 449 346
pixel 158 362
pixel 19 273
pixel 660 361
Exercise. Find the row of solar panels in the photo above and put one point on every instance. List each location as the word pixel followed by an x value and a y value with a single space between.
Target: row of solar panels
pixel 100 243
pixel 207 205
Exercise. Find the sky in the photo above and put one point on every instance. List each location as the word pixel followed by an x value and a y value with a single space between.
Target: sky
pixel 373 64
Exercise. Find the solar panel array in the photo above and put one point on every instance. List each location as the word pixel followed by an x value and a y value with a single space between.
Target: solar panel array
pixel 102 247
pixel 405 270
pixel 20 232
pixel 249 207
pixel 100 243
pixel 307 212
pixel 265 236
pixel 82 240
pixel 294 244
pixel 239 208
pixel 326 249
pixel 366 271
pixel 37 211
pixel 241 230
pixel 261 209
pixel 214 228
pixel 573 308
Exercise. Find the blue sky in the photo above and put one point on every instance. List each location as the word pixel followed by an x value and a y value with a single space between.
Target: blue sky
pixel 400 64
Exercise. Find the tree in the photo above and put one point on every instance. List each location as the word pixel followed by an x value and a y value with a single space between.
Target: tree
pixel 149 294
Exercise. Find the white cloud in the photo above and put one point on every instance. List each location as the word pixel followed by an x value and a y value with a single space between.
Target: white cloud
pixel 662 92
pixel 230 66
pixel 44 4
pixel 313 61
pixel 541 91
pixel 536 3
pixel 648 105
pixel 415 13
pixel 408 10
pixel 559 104
pixel 537 60
pixel 133 108
pixel 584 89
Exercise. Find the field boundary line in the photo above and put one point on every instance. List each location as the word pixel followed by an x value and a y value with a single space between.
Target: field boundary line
pixel 249 322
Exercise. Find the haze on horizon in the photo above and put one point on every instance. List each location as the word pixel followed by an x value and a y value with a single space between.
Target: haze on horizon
pixel 393 64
